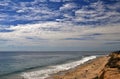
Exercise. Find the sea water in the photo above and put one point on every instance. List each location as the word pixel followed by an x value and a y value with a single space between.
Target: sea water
pixel 39 65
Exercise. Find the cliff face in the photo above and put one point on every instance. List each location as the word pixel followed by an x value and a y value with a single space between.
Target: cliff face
pixel 112 68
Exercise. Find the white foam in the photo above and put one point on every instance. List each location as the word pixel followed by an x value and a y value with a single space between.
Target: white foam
pixel 44 73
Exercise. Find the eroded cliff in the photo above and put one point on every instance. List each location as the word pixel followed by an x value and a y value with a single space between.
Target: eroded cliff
pixel 112 68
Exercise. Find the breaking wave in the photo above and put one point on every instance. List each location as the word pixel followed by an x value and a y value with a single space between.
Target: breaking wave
pixel 47 71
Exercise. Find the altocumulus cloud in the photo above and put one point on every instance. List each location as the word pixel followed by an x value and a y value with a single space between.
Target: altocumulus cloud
pixel 60 23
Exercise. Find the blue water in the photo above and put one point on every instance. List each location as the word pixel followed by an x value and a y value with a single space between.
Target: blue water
pixel 18 62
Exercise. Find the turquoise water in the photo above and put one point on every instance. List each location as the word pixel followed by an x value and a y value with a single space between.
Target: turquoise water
pixel 23 62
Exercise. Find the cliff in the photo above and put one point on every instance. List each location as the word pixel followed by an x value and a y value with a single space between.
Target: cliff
pixel 112 68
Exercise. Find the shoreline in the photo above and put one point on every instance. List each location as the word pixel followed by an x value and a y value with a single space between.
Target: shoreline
pixel 19 76
pixel 91 67
pixel 68 74
pixel 87 70
pixel 45 73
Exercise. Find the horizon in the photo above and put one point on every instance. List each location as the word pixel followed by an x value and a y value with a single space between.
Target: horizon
pixel 65 51
pixel 59 25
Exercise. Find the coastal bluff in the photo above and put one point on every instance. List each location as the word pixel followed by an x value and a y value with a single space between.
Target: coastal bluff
pixel 112 68
pixel 104 67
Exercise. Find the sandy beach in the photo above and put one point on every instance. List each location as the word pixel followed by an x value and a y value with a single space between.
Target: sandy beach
pixel 88 70
pixel 104 67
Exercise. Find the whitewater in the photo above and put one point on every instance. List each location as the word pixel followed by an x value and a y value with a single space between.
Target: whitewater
pixel 47 71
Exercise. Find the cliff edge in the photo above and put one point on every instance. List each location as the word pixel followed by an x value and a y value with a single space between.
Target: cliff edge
pixel 112 68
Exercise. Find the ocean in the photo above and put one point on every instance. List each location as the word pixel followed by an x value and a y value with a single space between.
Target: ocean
pixel 40 65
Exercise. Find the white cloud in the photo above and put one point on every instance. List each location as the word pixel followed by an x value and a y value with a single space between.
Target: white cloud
pixel 53 33
pixel 29 11
pixel 20 11
pixel 98 13
pixel 66 30
pixel 3 4
pixel 32 11
pixel 113 6
pixel 68 6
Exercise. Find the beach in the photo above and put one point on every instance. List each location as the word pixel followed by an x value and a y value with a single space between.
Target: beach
pixel 104 67
pixel 79 67
pixel 40 65
pixel 88 70
pixel 91 67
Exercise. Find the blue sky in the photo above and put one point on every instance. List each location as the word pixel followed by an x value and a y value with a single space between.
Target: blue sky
pixel 53 25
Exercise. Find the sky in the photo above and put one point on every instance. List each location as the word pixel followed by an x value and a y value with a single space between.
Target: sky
pixel 59 25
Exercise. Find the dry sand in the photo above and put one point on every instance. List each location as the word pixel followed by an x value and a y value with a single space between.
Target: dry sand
pixel 89 70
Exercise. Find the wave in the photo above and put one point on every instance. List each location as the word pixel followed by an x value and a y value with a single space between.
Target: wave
pixel 47 71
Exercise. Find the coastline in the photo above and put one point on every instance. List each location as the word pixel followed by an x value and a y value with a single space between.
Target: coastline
pixel 46 72
pixel 87 70
pixel 36 73
pixel 102 67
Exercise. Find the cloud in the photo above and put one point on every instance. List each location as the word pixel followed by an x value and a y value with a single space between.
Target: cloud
pixel 112 43
pixel 5 30
pixel 46 33
pixel 95 34
pixel 27 11
pixel 68 6
pixel 82 38
pixel 20 11
pixel 3 40
pixel 95 13
pixel 3 4
pixel 57 23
